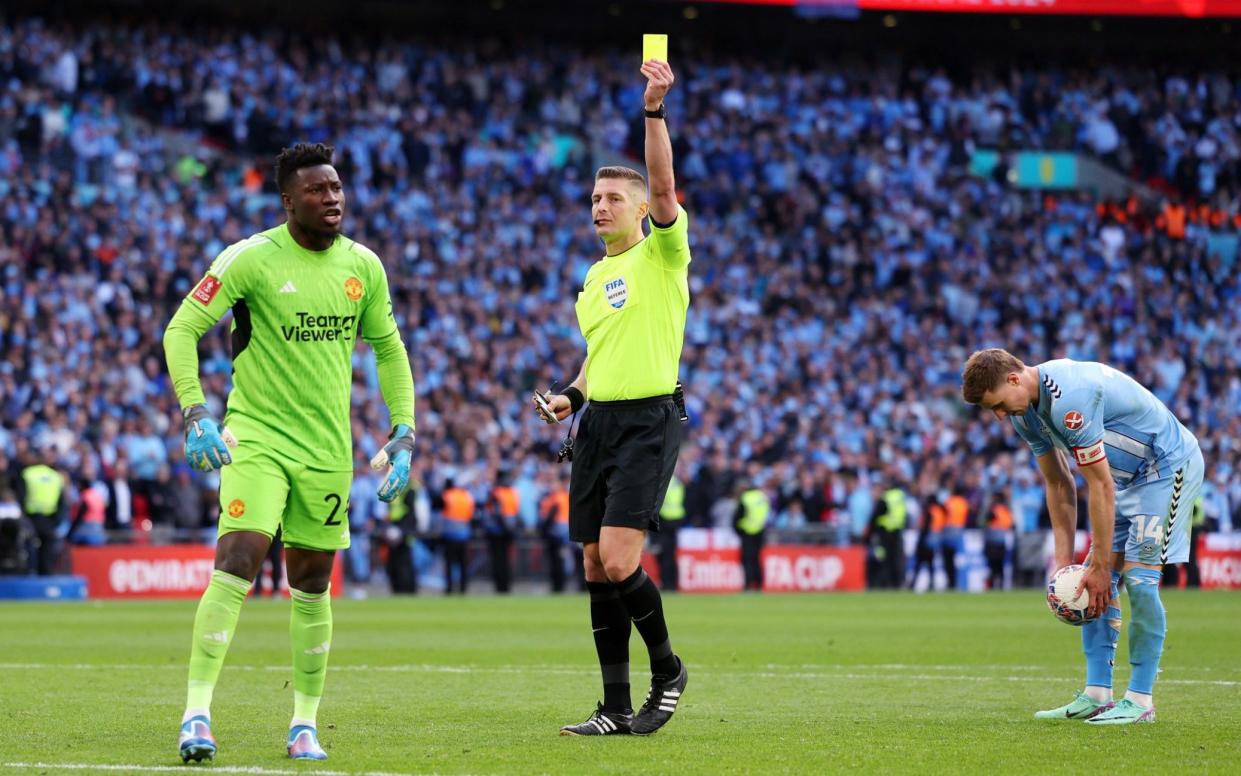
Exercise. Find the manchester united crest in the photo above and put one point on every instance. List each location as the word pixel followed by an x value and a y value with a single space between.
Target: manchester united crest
pixel 236 508
pixel 353 289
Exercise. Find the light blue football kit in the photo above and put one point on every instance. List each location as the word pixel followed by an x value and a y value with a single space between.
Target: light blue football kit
pixel 1100 416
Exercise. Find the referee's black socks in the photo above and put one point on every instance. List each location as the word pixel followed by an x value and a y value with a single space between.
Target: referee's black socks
pixel 646 608
pixel 611 625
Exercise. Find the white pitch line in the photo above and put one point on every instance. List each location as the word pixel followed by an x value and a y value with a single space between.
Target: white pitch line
pixel 826 671
pixel 949 677
pixel 183 769
pixel 914 666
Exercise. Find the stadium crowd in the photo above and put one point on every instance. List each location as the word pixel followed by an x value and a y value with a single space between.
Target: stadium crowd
pixel 845 262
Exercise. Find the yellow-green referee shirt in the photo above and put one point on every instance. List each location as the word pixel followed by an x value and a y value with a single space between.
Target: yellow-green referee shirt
pixel 632 313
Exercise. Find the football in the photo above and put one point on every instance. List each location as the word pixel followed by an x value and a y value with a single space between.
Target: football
pixel 1060 598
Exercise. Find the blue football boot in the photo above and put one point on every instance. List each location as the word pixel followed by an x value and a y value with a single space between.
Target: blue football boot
pixel 304 744
pixel 196 742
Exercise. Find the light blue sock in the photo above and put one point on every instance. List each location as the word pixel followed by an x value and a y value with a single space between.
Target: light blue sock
pixel 1147 628
pixel 1099 642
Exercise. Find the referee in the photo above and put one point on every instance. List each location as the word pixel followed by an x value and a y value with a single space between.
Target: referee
pixel 632 314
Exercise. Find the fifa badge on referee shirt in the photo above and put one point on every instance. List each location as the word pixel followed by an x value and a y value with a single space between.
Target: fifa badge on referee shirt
pixel 617 292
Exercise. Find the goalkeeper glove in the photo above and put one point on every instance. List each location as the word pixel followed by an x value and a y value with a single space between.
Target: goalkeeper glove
pixel 396 455
pixel 206 441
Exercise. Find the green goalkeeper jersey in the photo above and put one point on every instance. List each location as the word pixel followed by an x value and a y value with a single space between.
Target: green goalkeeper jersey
pixel 296 316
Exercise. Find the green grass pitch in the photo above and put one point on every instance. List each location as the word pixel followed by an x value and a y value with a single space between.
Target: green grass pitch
pixel 867 683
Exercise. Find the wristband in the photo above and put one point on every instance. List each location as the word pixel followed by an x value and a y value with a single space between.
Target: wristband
pixel 575 397
pixel 194 413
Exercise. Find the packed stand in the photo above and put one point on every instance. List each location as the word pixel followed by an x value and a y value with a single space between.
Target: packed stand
pixel 845 264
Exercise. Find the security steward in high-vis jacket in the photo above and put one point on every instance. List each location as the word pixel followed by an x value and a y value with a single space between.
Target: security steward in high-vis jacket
pixel 671 517
pixel 750 520
pixel 41 490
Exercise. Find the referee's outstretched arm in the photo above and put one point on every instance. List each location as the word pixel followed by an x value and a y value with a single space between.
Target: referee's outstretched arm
pixel 658 146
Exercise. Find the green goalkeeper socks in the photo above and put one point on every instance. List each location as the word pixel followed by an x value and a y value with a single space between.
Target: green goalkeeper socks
pixel 310 634
pixel 214 623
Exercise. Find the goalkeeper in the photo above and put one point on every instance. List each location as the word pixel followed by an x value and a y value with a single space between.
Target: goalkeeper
pixel 300 294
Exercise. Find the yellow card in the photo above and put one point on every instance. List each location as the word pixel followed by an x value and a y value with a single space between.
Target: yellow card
pixel 654 47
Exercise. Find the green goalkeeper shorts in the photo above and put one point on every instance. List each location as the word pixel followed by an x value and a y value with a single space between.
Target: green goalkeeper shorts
pixel 262 489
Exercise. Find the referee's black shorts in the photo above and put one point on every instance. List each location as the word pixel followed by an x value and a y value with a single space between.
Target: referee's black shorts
pixel 623 459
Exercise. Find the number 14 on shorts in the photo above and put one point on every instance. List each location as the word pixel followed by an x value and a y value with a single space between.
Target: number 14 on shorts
pixel 1149 527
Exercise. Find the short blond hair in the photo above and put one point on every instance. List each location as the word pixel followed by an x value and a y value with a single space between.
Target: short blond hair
pixel 985 370
pixel 618 172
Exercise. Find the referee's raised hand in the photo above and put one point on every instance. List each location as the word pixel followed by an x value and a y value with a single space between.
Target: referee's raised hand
pixel 659 80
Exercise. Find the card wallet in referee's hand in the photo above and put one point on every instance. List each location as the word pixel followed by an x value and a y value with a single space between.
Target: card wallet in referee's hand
pixel 540 401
